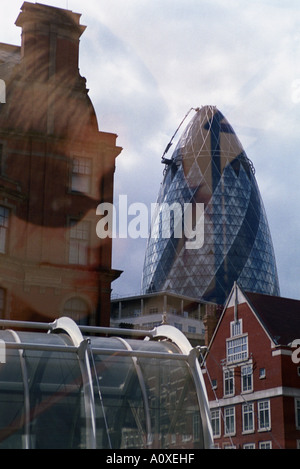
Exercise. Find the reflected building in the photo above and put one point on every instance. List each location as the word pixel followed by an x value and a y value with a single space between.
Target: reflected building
pixel 210 166
pixel 55 168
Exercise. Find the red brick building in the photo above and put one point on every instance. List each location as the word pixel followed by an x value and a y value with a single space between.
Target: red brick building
pixel 55 168
pixel 252 375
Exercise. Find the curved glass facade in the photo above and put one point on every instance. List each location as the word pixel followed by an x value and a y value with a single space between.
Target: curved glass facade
pixel 210 166
pixel 61 390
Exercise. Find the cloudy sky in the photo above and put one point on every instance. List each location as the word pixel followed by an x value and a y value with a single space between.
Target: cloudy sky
pixel 147 62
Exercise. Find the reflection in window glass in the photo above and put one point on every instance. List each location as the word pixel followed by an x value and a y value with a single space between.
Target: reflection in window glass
pixel 81 174
pixel 4 216
pixel 131 406
pixel 141 410
pixel 79 241
pixel 77 309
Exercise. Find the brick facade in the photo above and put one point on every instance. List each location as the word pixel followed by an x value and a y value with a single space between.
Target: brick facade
pixel 56 167
pixel 253 385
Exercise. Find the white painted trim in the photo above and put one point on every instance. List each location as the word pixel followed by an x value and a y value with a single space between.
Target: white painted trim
pixel 281 352
pixel 258 395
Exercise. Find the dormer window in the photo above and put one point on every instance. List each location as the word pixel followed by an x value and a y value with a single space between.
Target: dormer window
pixel 236 328
pixel 237 345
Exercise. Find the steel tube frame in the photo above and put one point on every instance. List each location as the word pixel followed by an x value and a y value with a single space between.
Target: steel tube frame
pixel 82 345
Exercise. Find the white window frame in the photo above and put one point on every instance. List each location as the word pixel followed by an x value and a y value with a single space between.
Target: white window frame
pixel 228 382
pixel 81 174
pixel 236 328
pixel 266 411
pixel 247 375
pixel 237 349
pixel 265 445
pixel 229 415
pixel 249 446
pixel 248 412
pixel 216 422
pixel 262 373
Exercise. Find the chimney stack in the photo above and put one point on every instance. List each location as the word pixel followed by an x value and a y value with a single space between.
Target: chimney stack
pixel 50 42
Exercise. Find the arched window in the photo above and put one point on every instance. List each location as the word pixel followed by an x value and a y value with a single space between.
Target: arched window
pixel 78 310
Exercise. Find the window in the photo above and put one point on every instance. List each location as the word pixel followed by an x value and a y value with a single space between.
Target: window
pixel 4 217
pixel 264 417
pixel 196 427
pixel 79 242
pixel 229 421
pixel 237 349
pixel 228 382
pixel 81 174
pixel 228 446
pixel 214 384
pixel 249 446
pixel 246 376
pixel 215 422
pixel 248 417
pixel 236 328
pixel 77 309
pixel 265 445
pixel 2 302
pixel 178 325
pixel 192 329
pixel 262 373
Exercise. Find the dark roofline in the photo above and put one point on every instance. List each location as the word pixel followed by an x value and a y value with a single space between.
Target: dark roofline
pixel 279 316
pixel 161 294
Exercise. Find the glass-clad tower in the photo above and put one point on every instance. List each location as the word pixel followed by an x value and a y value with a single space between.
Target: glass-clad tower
pixel 209 166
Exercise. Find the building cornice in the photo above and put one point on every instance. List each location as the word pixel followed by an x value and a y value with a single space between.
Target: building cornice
pixel 278 391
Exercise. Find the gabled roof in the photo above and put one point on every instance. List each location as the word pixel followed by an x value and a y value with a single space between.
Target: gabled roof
pixel 279 316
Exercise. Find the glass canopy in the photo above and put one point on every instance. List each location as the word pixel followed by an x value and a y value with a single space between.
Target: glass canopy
pixel 62 386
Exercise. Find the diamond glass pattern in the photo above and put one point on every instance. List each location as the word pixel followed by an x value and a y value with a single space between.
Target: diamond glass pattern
pixel 210 166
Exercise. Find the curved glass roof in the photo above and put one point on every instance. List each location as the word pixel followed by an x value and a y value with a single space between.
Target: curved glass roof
pixel 210 166
pixel 66 390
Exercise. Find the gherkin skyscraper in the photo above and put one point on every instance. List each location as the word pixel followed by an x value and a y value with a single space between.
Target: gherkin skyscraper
pixel 210 166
